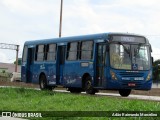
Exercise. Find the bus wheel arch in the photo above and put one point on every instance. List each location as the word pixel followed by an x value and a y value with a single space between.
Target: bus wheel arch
pixel 84 79
pixel 43 82
pixel 87 84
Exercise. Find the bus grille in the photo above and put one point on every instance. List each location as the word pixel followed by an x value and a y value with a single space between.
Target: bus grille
pixel 131 74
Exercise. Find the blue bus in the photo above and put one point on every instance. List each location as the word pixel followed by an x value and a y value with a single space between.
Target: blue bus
pixel 106 61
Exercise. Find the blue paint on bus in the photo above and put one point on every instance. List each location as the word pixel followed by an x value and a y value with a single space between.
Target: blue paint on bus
pixel 100 61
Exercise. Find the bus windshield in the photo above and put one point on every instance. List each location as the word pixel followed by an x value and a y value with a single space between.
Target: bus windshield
pixel 125 56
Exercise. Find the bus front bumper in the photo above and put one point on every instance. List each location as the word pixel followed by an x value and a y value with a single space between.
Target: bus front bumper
pixel 137 85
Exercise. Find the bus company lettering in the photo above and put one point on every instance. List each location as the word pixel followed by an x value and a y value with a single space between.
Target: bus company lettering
pixel 71 81
pixel 42 67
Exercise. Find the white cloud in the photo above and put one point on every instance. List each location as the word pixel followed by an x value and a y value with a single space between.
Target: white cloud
pixel 23 20
pixel 156 53
pixel 3 57
pixel 31 7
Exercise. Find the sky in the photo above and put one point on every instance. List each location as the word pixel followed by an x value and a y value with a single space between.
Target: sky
pixel 23 20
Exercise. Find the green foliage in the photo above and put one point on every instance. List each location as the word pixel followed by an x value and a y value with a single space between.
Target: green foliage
pixel 17 98
pixel 155 63
pixel 19 61
pixel 3 71
pixel 156 70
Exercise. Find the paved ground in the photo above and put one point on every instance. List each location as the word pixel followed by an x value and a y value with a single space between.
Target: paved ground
pixel 132 96
pixel 155 85
pixel 155 91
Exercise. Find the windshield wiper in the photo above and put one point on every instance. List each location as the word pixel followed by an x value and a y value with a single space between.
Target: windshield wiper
pixel 136 52
pixel 125 48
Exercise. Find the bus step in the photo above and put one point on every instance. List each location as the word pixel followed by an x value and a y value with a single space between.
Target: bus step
pixel 59 86
pixel 99 87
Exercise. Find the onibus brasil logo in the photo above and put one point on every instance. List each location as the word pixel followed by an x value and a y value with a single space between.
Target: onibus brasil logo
pixel 21 114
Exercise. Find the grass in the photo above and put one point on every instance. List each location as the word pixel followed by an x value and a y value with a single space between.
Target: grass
pixel 21 99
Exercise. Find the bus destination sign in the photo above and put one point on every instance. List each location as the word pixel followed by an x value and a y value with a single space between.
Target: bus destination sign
pixel 134 39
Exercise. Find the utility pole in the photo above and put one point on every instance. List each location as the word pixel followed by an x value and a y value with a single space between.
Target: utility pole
pixel 60 24
pixel 11 47
pixel 16 57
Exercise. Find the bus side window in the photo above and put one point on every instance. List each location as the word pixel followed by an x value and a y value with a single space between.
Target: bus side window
pixel 51 52
pixel 86 50
pixel 72 53
pixel 39 53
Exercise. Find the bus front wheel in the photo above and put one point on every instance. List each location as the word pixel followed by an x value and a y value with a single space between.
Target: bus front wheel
pixel 88 86
pixel 43 83
pixel 125 92
pixel 75 90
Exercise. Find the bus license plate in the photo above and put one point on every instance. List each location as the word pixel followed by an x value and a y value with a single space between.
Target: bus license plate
pixel 131 84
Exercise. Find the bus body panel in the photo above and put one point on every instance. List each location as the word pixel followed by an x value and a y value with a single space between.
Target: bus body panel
pixel 127 80
pixel 74 71
pixel 70 73
pixel 49 69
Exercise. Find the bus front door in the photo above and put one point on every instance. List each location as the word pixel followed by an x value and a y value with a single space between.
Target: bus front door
pixel 27 66
pixel 60 64
pixel 100 64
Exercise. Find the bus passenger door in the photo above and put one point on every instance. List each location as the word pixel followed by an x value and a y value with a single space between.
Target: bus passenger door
pixel 100 64
pixel 27 65
pixel 60 64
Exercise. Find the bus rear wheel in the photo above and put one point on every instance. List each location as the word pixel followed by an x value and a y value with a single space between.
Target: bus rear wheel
pixel 43 83
pixel 88 86
pixel 125 92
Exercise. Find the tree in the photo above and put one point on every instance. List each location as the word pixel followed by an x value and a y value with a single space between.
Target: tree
pixel 155 63
pixel 19 61
pixel 156 70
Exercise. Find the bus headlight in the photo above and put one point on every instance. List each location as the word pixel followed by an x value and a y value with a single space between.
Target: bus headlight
pixel 149 76
pixel 113 75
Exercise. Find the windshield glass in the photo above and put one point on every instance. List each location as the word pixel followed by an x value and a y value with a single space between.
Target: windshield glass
pixel 130 57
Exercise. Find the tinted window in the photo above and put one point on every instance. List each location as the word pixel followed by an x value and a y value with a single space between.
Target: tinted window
pixel 86 50
pixel 39 53
pixel 51 52
pixel 72 53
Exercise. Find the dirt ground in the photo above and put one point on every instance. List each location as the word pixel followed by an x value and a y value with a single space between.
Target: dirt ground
pixel 152 92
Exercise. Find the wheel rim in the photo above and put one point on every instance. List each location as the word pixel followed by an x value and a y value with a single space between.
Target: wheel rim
pixel 42 84
pixel 89 85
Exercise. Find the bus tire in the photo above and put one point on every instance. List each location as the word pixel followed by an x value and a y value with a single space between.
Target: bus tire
pixel 43 83
pixel 75 90
pixel 124 92
pixel 89 87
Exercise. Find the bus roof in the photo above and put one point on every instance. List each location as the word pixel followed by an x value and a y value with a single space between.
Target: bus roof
pixel 76 38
